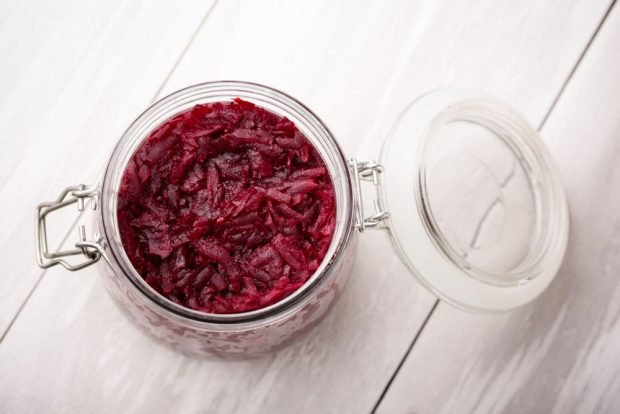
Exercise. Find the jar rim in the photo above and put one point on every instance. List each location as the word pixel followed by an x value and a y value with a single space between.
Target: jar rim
pixel 271 99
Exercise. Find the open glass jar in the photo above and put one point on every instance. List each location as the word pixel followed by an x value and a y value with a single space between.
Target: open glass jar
pixel 463 186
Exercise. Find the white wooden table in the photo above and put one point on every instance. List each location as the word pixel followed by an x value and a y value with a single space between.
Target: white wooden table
pixel 74 74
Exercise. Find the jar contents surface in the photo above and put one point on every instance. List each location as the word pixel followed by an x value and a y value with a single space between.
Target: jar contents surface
pixel 226 208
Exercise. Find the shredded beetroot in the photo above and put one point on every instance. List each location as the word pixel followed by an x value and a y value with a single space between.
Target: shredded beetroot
pixel 226 208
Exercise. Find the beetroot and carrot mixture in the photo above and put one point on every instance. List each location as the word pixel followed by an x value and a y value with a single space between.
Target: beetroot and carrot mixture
pixel 226 208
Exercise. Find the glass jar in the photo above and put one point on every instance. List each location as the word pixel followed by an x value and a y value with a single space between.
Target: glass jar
pixel 423 199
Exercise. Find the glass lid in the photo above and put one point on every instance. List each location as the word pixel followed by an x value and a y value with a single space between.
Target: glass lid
pixel 478 212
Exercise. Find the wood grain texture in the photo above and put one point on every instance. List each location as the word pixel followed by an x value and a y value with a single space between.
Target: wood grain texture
pixel 559 354
pixel 73 76
pixel 72 351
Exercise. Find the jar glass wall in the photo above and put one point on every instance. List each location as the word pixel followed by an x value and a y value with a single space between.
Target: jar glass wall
pixel 238 334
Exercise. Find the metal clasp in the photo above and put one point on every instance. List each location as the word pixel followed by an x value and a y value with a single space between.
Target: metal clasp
pixel 368 171
pixel 89 249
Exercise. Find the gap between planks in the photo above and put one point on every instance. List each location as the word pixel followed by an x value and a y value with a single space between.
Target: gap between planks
pixel 576 65
pixel 404 358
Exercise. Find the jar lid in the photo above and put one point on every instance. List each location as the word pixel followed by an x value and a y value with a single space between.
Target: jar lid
pixel 477 210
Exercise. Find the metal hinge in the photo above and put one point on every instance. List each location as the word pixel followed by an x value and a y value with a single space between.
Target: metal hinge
pixel 91 250
pixel 368 171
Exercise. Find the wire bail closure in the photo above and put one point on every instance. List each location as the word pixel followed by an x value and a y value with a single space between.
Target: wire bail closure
pixel 368 171
pixel 90 249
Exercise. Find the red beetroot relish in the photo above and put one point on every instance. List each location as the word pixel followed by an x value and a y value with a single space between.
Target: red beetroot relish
pixel 226 208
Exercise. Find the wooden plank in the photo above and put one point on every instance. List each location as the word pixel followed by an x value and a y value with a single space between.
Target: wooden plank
pixel 72 78
pixel 559 354
pixel 356 67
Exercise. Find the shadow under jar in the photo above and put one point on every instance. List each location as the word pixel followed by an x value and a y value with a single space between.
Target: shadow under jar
pixel 468 195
